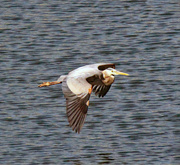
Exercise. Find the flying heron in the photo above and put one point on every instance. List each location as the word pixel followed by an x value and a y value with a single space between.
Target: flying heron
pixel 78 85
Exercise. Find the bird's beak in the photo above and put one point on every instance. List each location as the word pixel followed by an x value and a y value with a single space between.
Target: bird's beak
pixel 121 73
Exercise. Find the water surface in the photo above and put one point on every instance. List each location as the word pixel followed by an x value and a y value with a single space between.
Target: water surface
pixel 137 122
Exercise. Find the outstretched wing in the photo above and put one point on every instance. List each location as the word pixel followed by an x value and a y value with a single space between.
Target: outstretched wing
pixel 76 107
pixel 99 88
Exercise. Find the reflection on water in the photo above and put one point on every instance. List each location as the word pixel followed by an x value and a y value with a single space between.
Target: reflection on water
pixel 138 120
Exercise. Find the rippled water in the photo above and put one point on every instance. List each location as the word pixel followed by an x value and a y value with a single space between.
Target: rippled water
pixel 137 122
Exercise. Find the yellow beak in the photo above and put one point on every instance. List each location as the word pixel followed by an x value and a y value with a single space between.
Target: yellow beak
pixel 121 73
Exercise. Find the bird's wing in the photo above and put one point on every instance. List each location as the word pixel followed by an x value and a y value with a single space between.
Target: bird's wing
pixel 103 66
pixel 76 104
pixel 99 88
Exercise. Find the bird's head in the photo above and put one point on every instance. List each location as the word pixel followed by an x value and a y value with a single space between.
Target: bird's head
pixel 111 72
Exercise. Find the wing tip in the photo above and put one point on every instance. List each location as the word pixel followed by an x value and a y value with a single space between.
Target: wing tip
pixel 76 117
pixel 78 123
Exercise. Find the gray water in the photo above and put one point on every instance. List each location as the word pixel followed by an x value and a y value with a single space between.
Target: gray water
pixel 137 122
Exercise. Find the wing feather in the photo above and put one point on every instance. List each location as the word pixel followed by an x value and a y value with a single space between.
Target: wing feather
pixel 77 124
pixel 76 108
pixel 105 66
pixel 74 120
pixel 99 88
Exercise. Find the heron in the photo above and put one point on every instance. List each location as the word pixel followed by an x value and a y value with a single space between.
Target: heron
pixel 78 85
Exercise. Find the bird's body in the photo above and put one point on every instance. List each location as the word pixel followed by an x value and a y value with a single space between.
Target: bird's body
pixel 78 85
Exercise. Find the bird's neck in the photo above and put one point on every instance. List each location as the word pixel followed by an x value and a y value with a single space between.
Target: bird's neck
pixel 108 79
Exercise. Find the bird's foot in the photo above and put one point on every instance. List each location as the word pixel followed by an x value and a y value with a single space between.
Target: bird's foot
pixel 90 90
pixel 45 84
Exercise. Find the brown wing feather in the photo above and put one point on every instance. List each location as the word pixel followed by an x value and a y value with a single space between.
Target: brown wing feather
pixel 99 88
pixel 105 66
pixel 76 107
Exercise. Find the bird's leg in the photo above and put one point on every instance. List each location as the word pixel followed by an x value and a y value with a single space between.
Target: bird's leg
pixel 90 90
pixel 44 84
